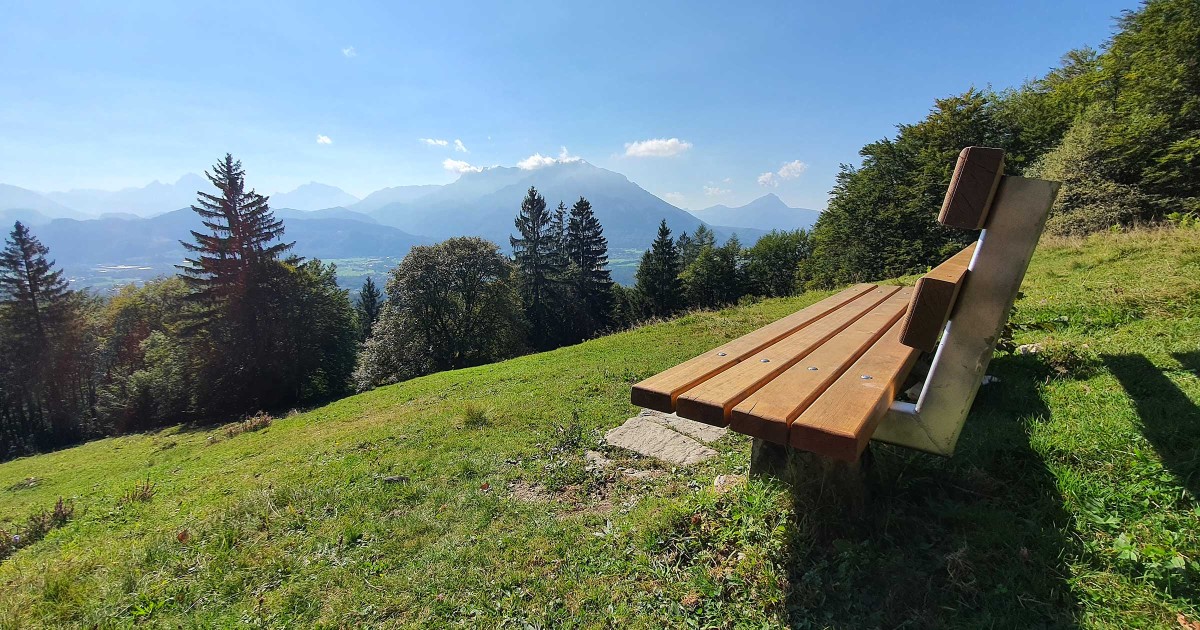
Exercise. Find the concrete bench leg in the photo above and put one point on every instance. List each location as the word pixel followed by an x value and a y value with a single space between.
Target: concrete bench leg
pixel 822 488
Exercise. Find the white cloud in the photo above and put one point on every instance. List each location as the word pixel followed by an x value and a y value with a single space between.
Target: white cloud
pixel 459 166
pixel 434 142
pixel 349 52
pixel 674 198
pixel 324 139
pixel 716 191
pixel 537 160
pixel 459 146
pixel 658 147
pixel 790 170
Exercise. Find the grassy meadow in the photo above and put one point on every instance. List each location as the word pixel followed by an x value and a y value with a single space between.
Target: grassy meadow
pixel 464 499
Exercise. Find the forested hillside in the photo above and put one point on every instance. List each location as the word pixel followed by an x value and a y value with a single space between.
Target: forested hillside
pixel 1119 127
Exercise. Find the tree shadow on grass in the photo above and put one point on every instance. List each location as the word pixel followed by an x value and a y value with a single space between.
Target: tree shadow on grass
pixel 978 540
pixel 1169 419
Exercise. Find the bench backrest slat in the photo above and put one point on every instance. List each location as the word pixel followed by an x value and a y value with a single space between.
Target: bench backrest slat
pixel 933 300
pixel 972 188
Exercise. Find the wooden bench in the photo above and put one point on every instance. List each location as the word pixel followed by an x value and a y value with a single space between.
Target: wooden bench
pixel 825 379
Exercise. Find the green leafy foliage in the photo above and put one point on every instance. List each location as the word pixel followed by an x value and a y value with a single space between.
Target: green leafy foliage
pixel 772 263
pixel 716 276
pixel 450 305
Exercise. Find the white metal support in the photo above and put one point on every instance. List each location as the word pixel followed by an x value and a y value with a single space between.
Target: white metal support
pixel 1006 244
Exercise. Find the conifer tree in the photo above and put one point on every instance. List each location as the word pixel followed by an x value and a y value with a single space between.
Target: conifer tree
pixel 658 275
pixel 687 252
pixel 237 277
pixel 33 290
pixel 242 228
pixel 36 308
pixel 716 277
pixel 689 248
pixel 370 302
pixel 587 251
pixel 539 267
pixel 558 232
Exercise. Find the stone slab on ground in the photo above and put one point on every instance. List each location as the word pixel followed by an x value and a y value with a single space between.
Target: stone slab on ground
pixel 666 437
pixel 697 430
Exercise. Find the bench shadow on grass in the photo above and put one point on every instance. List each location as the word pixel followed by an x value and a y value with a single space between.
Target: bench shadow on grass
pixel 978 540
pixel 1169 419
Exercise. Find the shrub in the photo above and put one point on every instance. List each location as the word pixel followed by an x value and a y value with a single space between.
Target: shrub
pixel 36 527
pixel 256 422
pixel 1090 199
pixel 142 492
pixel 475 416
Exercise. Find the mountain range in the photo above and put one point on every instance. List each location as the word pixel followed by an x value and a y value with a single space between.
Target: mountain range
pixel 768 212
pixel 134 233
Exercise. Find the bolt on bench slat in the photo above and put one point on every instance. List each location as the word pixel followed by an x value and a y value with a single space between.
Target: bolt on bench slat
pixel 713 400
pixel 659 392
pixel 768 412
pixel 841 422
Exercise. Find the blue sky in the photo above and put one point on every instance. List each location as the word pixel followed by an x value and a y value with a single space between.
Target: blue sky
pixel 108 95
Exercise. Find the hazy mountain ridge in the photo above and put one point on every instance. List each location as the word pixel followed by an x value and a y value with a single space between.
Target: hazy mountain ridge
pixel 767 213
pixel 394 194
pixel 387 223
pixel 149 200
pixel 17 202
pixel 313 196
pixel 485 203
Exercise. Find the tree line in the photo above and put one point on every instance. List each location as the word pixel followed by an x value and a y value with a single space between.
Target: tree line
pixel 462 302
pixel 244 325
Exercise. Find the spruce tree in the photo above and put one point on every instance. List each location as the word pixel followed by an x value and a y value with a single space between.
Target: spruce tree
pixel 36 305
pixel 237 277
pixel 242 228
pixel 687 252
pixel 558 232
pixel 587 250
pixel 537 256
pixel 370 302
pixel 33 290
pixel 658 275
pixel 690 247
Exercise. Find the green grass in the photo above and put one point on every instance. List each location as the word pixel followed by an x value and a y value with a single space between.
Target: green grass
pixel 464 499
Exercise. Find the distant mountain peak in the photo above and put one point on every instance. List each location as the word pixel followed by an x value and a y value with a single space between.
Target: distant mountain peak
pixel 768 212
pixel 313 196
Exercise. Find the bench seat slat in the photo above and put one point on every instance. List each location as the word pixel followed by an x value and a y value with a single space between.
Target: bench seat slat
pixel 933 299
pixel 767 412
pixel 841 422
pixel 660 391
pixel 714 399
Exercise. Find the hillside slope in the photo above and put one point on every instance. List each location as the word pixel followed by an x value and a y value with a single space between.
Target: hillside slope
pixel 464 499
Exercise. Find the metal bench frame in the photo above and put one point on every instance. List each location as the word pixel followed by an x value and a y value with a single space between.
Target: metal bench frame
pixel 1010 233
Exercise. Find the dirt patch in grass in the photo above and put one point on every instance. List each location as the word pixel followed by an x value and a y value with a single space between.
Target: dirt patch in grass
pixel 598 494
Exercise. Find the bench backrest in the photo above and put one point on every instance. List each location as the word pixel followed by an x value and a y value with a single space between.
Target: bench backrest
pixel 968 298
